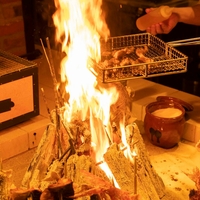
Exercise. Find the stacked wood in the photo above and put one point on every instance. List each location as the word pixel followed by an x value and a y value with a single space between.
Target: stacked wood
pixel 65 156
pixel 3 193
pixel 121 109
pixel 104 189
pixel 5 183
pixel 74 168
pixel 24 194
pixel 153 185
pixel 149 184
pixel 121 168
pixel 42 159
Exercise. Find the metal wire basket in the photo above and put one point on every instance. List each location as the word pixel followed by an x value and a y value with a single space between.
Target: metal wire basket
pixel 163 59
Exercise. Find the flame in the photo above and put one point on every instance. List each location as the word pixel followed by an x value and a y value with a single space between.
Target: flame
pixel 80 25
pixel 129 153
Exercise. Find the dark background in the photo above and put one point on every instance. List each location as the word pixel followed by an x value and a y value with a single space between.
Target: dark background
pixel 121 21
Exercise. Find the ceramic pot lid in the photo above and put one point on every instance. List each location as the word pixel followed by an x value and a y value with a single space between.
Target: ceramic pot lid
pixel 186 106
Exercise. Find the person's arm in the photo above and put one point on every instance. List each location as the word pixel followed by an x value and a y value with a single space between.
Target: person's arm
pixel 187 15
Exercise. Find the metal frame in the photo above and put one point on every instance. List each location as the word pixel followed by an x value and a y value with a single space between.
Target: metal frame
pixel 166 59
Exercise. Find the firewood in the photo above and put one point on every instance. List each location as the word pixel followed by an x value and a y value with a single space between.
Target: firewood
pixel 120 109
pixel 150 181
pixel 47 195
pixel 50 164
pixel 76 163
pixel 43 157
pixel 102 187
pixel 54 174
pixel 73 167
pixel 117 162
pixel 62 190
pixel 5 182
pixel 150 185
pixel 24 194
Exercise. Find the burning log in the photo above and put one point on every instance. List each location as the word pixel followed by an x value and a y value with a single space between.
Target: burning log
pixel 50 164
pixel 61 190
pixel 122 107
pixel 5 176
pixel 117 162
pixel 102 187
pixel 43 158
pixel 74 168
pixel 154 184
pixel 24 194
pixel 150 185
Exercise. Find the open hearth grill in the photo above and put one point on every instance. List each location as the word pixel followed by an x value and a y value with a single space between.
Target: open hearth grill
pixel 158 58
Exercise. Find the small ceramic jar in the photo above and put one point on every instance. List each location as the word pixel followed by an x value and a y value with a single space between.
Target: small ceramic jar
pixel 164 123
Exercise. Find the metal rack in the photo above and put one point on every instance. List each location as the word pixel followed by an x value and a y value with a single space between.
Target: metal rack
pixel 165 59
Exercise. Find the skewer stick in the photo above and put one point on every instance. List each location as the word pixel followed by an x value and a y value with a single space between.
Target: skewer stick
pixel 60 150
pixel 53 77
pixel 1 164
pixel 135 172
pixel 99 163
pixel 56 97
pixel 67 130
pixel 51 119
pixel 52 69
pixel 45 101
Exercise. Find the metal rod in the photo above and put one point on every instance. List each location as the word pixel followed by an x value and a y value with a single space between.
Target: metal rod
pixel 185 42
pixel 45 101
pixel 53 74
pixel 1 164
pixel 135 174
pixel 45 53
pixel 57 106
pixel 58 103
pixel 60 150
pixel 52 69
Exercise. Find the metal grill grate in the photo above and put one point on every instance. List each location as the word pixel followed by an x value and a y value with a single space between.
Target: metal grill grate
pixel 10 63
pixel 164 58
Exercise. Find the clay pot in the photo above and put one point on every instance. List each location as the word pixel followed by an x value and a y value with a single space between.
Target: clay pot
pixel 164 130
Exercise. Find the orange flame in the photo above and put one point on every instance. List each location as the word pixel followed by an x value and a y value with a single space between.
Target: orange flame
pixel 80 25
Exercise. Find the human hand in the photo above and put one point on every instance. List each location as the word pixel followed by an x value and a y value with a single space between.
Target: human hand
pixel 163 27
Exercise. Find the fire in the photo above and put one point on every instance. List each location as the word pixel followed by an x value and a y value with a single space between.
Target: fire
pixel 80 25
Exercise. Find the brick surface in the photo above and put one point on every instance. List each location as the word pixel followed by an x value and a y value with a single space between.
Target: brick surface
pixel 8 1
pixel 14 43
pixel 11 11
pixel 17 139
pixel 14 40
pixel 12 28
pixel 19 51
